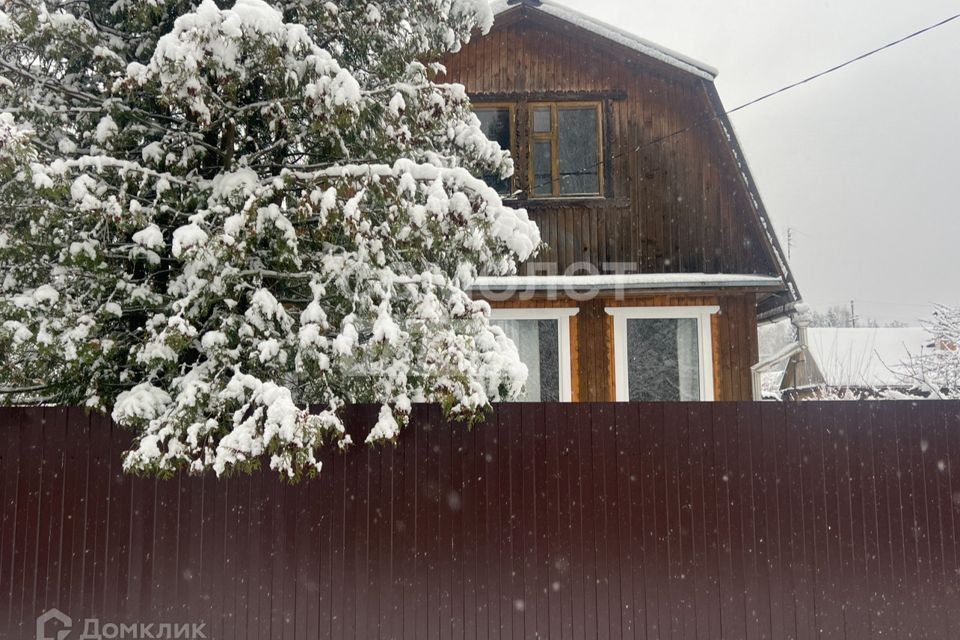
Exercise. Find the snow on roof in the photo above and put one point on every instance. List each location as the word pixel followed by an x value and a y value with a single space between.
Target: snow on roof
pixel 864 357
pixel 617 35
pixel 767 364
pixel 625 281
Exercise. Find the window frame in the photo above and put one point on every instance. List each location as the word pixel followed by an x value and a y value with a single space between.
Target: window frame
pixel 511 107
pixel 702 314
pixel 563 316
pixel 554 138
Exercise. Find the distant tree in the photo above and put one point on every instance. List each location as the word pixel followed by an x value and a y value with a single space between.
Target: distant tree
pixel 936 371
pixel 223 221
pixel 835 316
pixel 839 316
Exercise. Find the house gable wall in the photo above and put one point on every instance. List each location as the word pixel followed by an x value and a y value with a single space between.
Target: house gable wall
pixel 679 205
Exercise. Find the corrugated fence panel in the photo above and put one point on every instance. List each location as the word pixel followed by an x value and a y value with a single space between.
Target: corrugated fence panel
pixel 593 520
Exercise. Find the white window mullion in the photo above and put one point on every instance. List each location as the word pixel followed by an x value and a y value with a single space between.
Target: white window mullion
pixel 706 355
pixel 620 357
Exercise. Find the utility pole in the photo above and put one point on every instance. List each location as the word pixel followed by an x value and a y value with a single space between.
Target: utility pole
pixel 853 316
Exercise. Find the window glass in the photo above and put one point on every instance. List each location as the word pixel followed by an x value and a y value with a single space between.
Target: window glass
pixel 565 149
pixel 539 345
pixel 578 150
pixel 495 124
pixel 663 361
pixel 542 168
pixel 541 120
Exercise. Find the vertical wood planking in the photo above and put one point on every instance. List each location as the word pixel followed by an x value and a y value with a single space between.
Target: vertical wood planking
pixel 680 220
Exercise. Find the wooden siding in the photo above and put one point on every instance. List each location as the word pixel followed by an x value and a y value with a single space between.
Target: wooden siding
pixel 676 206
pixel 734 331
pixel 654 521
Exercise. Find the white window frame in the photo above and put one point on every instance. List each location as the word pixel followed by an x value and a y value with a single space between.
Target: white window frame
pixel 702 314
pixel 562 316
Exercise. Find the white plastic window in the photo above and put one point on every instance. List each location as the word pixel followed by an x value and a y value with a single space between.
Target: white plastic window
pixel 663 353
pixel 542 337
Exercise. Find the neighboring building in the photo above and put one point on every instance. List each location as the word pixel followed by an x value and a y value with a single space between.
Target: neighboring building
pixel 660 256
pixel 852 363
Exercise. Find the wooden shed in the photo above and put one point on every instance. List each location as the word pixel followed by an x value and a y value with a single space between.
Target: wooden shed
pixel 660 257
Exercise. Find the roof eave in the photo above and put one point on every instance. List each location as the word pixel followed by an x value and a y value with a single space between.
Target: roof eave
pixel 503 8
pixel 612 284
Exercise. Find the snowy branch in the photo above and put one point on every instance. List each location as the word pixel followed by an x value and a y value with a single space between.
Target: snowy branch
pixel 209 224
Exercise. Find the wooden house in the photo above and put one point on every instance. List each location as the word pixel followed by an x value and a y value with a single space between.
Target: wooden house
pixel 660 257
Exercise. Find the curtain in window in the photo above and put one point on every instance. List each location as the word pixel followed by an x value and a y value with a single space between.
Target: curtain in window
pixel 688 359
pixel 538 342
pixel 526 335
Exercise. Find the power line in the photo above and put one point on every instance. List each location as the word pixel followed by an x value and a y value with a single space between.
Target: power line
pixel 767 96
pixel 845 64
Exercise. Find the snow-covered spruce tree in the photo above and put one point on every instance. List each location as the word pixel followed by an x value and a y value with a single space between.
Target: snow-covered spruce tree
pixel 936 371
pixel 214 216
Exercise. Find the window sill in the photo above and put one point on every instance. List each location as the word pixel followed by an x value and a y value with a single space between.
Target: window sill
pixel 588 202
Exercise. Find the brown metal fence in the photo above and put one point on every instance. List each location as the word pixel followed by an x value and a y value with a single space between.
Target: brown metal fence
pixel 733 520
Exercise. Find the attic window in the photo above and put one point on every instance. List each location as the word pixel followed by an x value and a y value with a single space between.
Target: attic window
pixel 495 122
pixel 565 149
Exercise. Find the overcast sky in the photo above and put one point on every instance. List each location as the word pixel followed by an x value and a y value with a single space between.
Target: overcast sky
pixel 863 164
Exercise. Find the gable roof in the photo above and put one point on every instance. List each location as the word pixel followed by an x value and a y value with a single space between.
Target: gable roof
pixel 506 12
pixel 609 32
pixel 784 303
pixel 849 357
